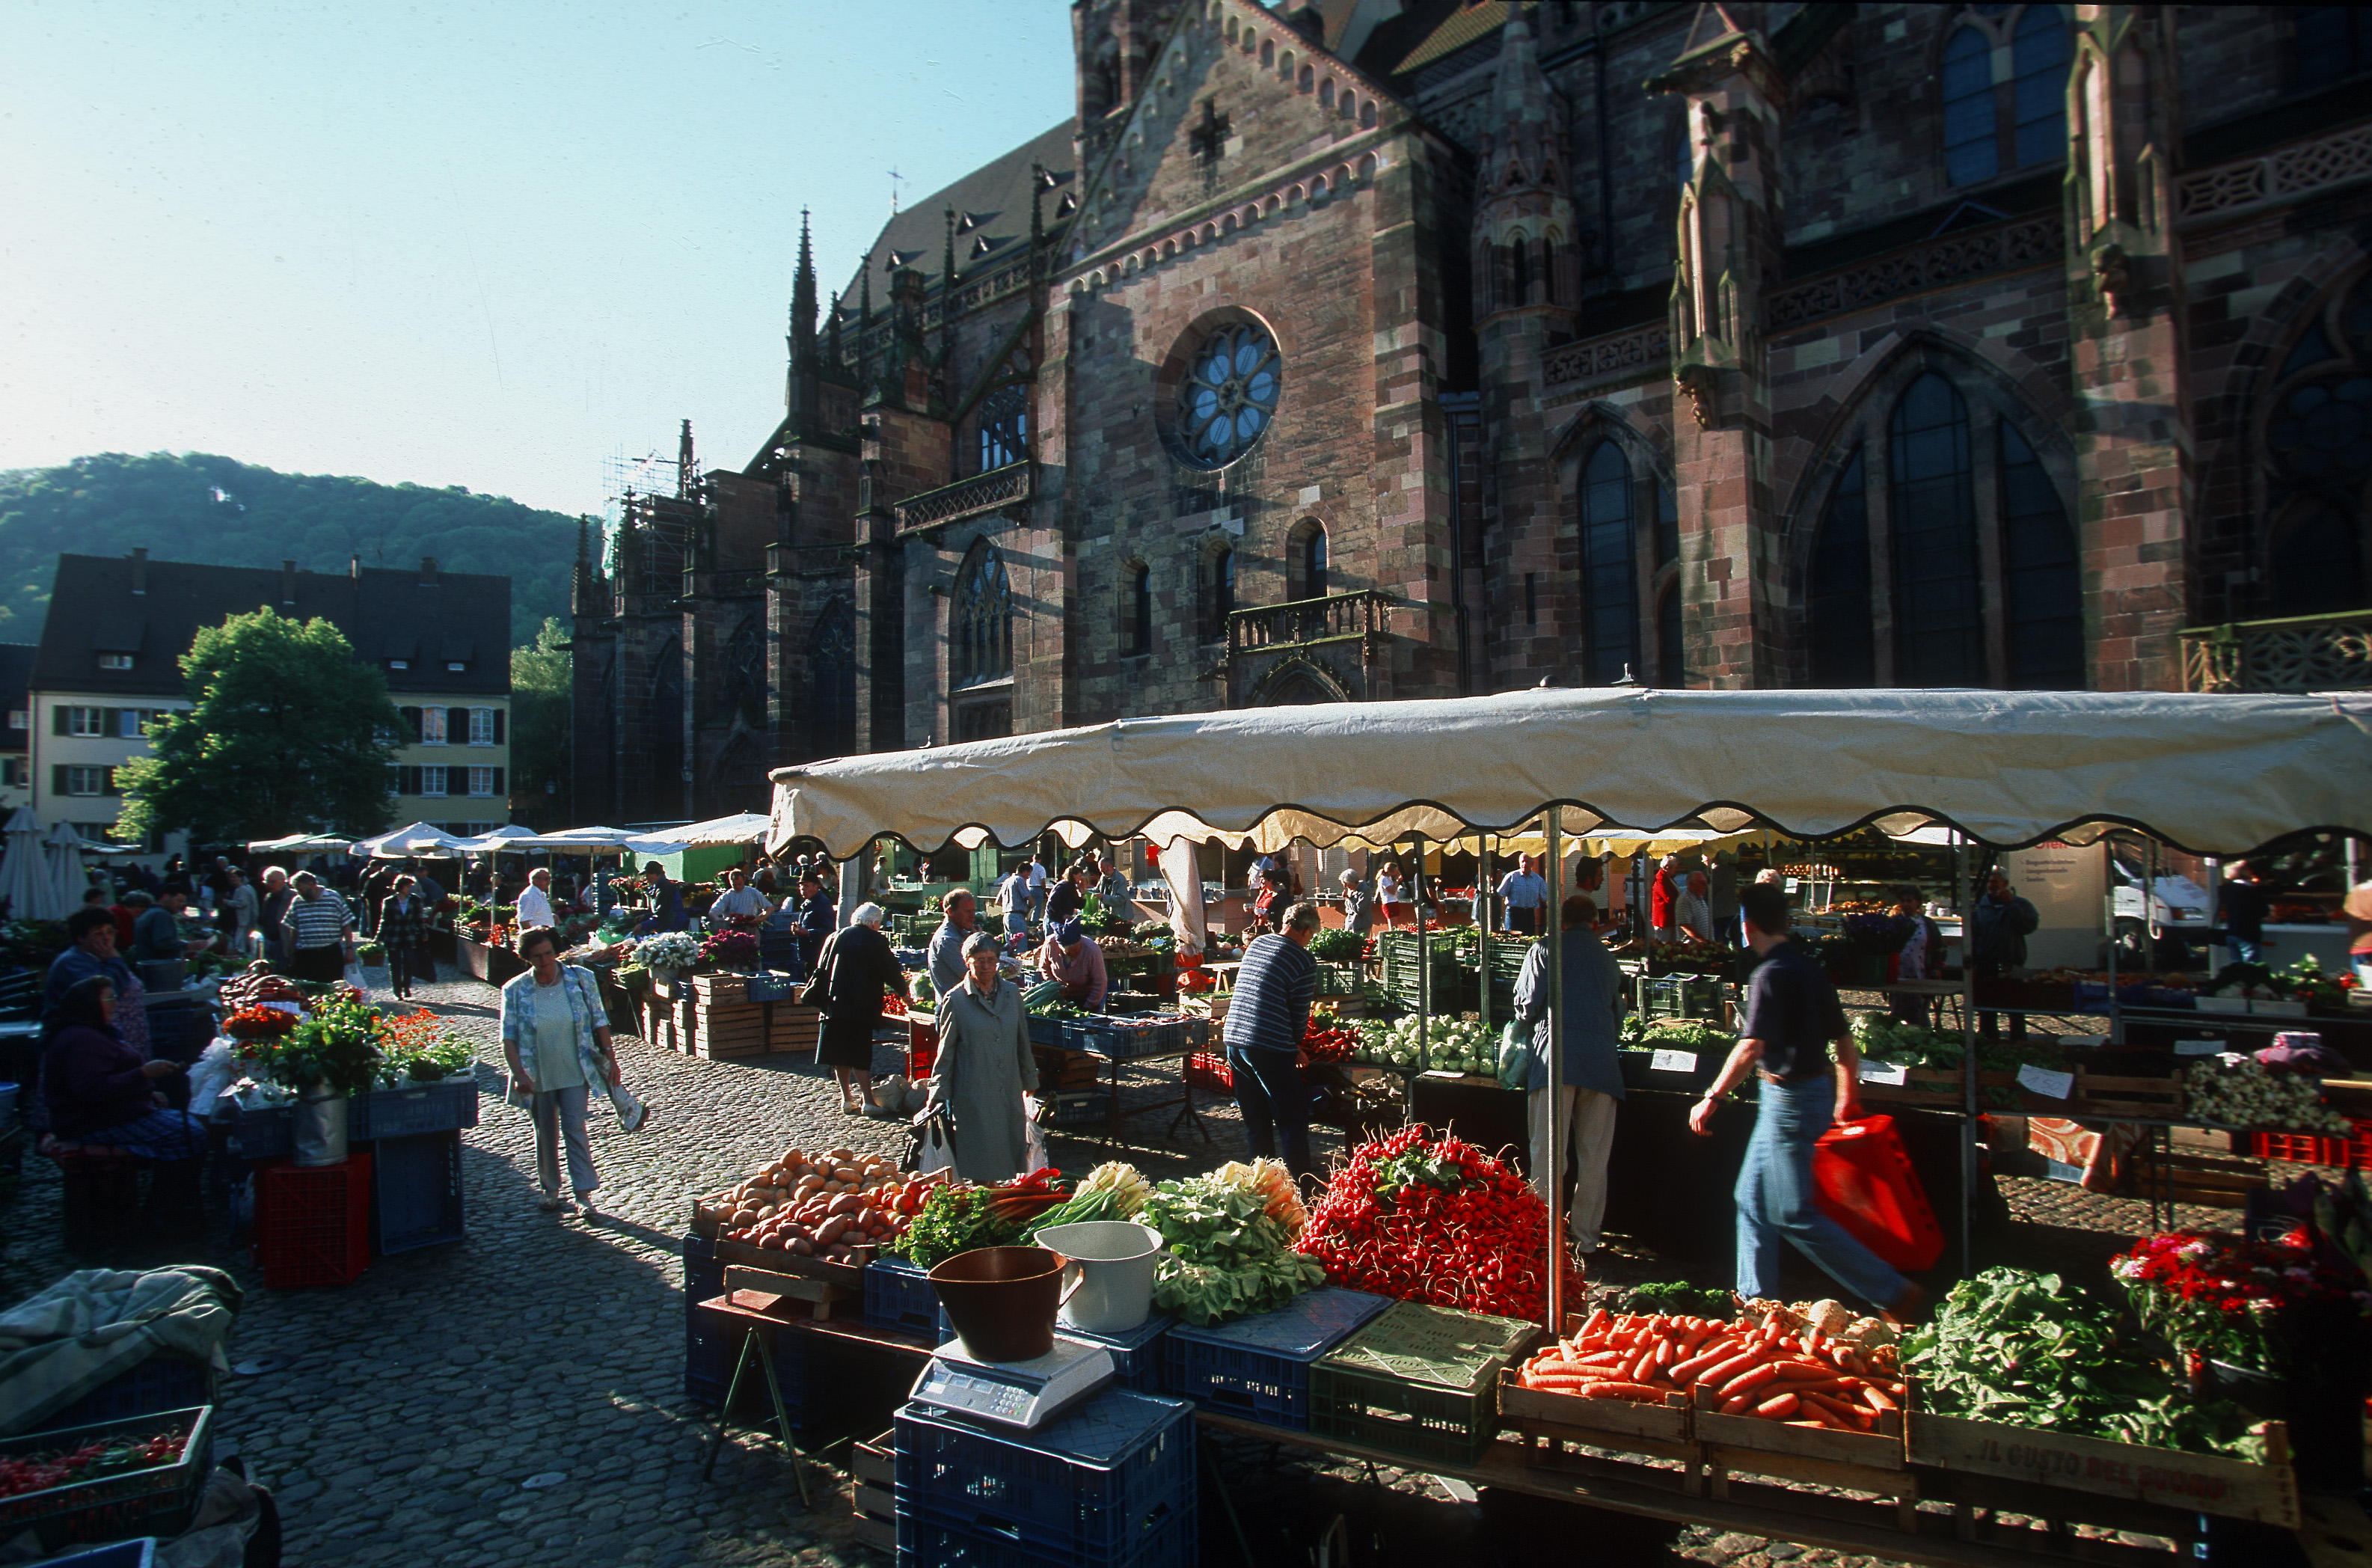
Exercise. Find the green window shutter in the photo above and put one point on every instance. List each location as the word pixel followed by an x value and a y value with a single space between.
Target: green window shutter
pixel 411 720
pixel 108 788
pixel 58 780
pixel 58 719
pixel 499 781
pixel 456 728
pixel 498 726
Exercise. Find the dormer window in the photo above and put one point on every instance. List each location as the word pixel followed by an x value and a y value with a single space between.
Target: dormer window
pixel 115 661
pixel 455 666
pixel 399 664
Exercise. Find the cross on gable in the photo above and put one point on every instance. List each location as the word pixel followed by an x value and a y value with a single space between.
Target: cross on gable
pixel 1210 138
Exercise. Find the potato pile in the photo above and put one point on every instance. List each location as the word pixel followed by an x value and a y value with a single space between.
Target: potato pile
pixel 827 1205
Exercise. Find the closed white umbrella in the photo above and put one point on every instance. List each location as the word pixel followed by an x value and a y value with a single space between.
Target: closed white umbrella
pixel 25 874
pixel 64 863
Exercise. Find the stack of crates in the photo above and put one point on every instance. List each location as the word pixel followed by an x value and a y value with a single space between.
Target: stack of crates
pixel 1257 1367
pixel 1507 968
pixel 1110 1484
pixel 899 1294
pixel 1418 1380
pixel 1136 1353
pixel 1452 988
pixel 724 1022
pixel 706 1371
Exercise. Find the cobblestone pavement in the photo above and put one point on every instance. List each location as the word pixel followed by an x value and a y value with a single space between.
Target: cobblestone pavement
pixel 517 1398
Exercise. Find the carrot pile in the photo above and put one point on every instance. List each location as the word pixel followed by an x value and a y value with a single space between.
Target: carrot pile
pixel 1774 1362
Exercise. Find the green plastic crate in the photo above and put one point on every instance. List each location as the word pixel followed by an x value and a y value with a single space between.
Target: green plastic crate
pixel 1419 1380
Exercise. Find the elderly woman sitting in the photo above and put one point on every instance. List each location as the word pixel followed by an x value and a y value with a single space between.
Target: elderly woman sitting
pixel 984 1067
pixel 1071 959
pixel 102 1095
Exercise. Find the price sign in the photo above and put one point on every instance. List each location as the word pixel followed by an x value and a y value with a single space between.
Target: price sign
pixel 2056 1171
pixel 1892 1073
pixel 2199 1048
pixel 1674 1062
pixel 2046 1083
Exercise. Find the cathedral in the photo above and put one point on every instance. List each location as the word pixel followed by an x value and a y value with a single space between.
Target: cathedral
pixel 1376 349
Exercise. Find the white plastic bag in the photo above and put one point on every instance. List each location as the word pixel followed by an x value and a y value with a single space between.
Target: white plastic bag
pixel 935 1142
pixel 354 977
pixel 631 1112
pixel 1034 1150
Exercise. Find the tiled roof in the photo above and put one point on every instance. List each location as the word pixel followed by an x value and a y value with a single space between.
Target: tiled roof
pixel 427 620
pixel 991 205
pixel 1470 24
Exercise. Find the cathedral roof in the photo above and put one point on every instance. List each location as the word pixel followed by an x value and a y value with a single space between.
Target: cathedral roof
pixel 992 206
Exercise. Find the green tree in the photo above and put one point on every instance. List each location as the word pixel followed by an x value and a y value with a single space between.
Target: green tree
pixel 539 752
pixel 287 732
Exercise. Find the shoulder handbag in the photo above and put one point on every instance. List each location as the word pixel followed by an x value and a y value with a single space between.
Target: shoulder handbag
pixel 817 990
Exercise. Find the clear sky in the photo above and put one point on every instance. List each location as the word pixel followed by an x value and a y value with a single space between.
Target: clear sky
pixel 481 244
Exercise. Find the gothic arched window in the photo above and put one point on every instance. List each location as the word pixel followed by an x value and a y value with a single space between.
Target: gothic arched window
pixel 1938 612
pixel 2039 576
pixel 1137 609
pixel 1836 588
pixel 1992 126
pixel 2317 453
pixel 831 682
pixel 1219 594
pixel 1610 574
pixel 1004 426
pixel 980 626
pixel 1306 566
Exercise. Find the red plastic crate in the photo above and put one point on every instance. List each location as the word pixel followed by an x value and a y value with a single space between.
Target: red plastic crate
pixel 2308 1148
pixel 1205 1070
pixel 312 1224
pixel 922 1047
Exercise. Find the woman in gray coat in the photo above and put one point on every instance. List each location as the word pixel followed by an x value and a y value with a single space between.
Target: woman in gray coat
pixel 1591 1067
pixel 983 1068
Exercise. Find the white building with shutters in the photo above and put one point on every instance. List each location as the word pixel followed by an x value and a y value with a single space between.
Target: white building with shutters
pixel 109 662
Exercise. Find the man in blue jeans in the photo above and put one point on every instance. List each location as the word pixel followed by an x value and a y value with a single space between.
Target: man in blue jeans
pixel 1267 1017
pixel 1791 1017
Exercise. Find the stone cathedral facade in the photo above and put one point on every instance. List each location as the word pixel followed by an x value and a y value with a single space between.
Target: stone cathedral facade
pixel 1399 348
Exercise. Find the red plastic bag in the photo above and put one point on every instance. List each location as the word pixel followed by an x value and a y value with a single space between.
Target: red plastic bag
pixel 1865 1182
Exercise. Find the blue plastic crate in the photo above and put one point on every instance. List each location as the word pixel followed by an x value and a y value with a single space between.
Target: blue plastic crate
pixel 268 1134
pixel 415 1193
pixel 1092 1110
pixel 772 987
pixel 1049 1031
pixel 161 1383
pixel 898 1295
pixel 1135 1354
pixel 1259 1366
pixel 1096 1487
pixel 712 1346
pixel 922 1544
pixel 445 1106
pixel 141 1553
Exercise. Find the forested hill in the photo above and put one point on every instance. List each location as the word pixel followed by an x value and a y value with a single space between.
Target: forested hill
pixel 194 506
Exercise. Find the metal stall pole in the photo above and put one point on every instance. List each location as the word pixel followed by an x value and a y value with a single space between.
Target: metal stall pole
pixel 1483 950
pixel 1555 938
pixel 1964 882
pixel 1424 965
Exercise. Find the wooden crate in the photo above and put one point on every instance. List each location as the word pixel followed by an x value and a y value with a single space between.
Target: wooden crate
pixel 2101 1094
pixel 2196 1175
pixel 1060 1070
pixel 1548 1421
pixel 873 1481
pixel 1880 1449
pixel 720 990
pixel 790 1028
pixel 728 1029
pixel 2207 1484
pixel 1936 1086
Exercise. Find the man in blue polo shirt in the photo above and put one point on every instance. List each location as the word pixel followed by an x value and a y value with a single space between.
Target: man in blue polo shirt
pixel 1791 1017
pixel 1267 1016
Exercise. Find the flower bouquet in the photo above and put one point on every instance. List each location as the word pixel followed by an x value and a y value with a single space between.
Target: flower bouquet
pixel 2259 1306
pixel 729 950
pixel 420 1049
pixel 336 1046
pixel 667 953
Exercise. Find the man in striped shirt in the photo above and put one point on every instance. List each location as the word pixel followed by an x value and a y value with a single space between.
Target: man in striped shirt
pixel 1267 1017
pixel 316 928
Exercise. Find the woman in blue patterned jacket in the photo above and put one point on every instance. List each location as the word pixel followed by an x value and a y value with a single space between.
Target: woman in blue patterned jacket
pixel 557 1039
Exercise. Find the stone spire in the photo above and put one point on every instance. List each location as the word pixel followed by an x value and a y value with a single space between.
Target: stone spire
pixel 803 295
pixel 1526 111
pixel 1524 232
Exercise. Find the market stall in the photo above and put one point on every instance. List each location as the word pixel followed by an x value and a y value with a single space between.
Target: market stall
pixel 2216 775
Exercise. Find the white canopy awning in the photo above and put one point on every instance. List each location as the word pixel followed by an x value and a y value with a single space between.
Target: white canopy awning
pixel 299 840
pixel 503 840
pixel 416 838
pixel 2217 774
pixel 577 841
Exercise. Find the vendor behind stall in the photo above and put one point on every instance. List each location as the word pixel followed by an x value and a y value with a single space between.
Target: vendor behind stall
pixel 1071 959
pixel 740 906
pixel 1070 895
pixel 1267 1017
pixel 1590 1065
pixel 945 959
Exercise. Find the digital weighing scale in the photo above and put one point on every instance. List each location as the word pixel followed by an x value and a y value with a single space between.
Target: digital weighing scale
pixel 1013 1393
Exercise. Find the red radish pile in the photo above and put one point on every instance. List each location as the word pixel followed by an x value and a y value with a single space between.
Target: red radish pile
pixel 1772 1369
pixel 1438 1222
